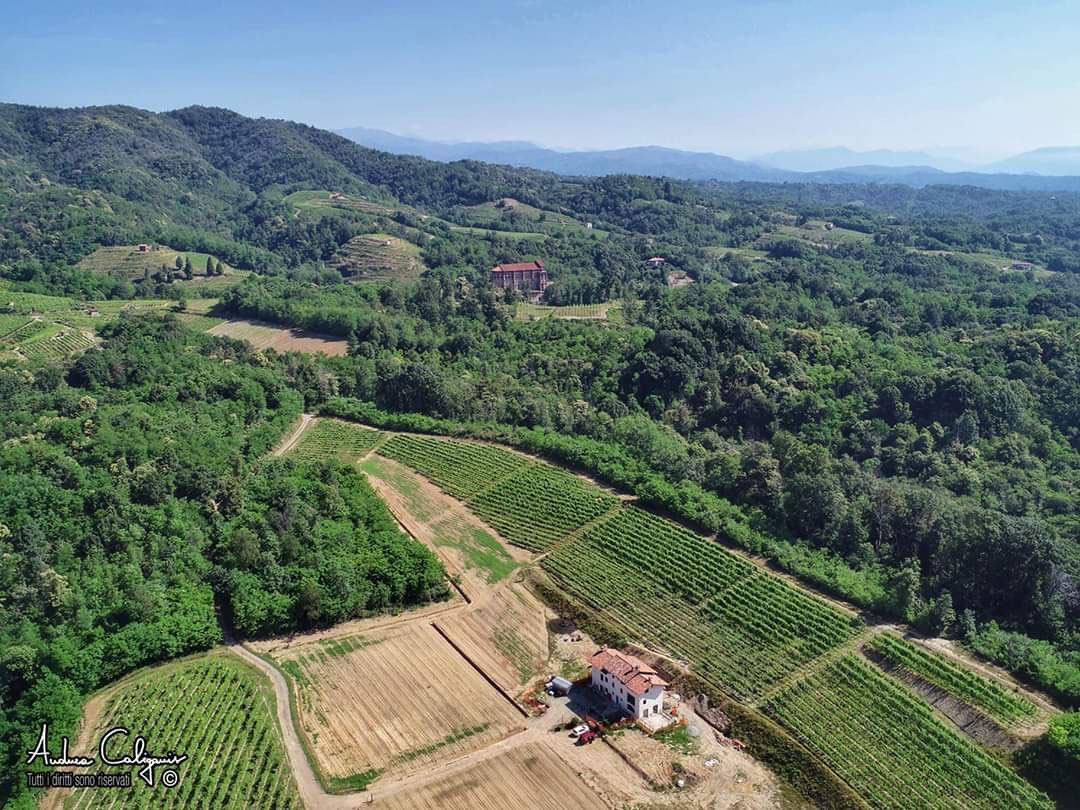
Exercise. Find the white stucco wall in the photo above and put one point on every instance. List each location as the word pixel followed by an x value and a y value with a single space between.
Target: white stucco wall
pixel 652 702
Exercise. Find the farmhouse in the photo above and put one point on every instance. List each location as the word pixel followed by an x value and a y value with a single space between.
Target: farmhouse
pixel 529 277
pixel 629 682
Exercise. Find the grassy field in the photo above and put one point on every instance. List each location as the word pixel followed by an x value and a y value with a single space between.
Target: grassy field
pixel 220 714
pixel 816 233
pixel 317 204
pixel 753 254
pixel 463 545
pixel 379 257
pixel 1003 263
pixel 507 211
pixel 523 235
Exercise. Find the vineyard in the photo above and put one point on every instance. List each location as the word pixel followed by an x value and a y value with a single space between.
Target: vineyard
pixel 531 504
pixel 328 438
pixel 541 504
pixel 890 747
pixel 740 629
pixel 17 329
pixel 610 310
pixel 744 631
pixel 957 681
pixel 219 714
pixel 63 343
pixel 378 257
pixel 461 469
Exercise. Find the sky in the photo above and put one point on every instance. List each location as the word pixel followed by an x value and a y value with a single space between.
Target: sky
pixel 966 79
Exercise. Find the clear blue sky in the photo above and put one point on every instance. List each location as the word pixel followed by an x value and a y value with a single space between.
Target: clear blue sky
pixel 735 77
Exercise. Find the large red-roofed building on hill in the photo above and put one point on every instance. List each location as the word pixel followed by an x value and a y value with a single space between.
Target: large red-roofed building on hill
pixel 628 682
pixel 528 277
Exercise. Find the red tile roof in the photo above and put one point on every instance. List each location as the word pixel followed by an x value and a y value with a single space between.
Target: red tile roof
pixel 633 673
pixel 510 268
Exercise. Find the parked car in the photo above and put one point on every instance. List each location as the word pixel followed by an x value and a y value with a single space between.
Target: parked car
pixel 577 731
pixel 586 738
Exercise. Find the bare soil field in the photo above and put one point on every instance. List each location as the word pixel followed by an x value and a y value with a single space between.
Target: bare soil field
pixel 732 780
pixel 506 636
pixel 392 702
pixel 267 336
pixel 529 776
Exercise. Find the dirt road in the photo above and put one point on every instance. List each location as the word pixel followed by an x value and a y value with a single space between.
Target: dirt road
pixel 290 441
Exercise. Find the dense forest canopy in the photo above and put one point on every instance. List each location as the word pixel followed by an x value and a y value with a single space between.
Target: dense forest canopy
pixel 877 387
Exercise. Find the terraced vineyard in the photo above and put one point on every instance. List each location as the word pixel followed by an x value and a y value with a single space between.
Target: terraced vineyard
pixel 461 469
pixel 891 748
pixel 740 629
pixel 378 257
pixel 956 680
pixel 216 711
pixel 531 504
pixel 329 438
pixel 63 343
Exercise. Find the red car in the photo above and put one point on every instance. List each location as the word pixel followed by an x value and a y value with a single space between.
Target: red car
pixel 586 738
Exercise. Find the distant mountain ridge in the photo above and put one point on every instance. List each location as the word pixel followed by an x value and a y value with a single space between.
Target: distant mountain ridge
pixel 686 165
pixel 840 157
pixel 1049 160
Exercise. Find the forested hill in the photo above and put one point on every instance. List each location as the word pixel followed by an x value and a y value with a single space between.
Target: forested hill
pixel 210 179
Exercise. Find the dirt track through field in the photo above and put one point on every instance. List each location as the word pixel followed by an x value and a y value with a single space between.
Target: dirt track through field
pixel 289 442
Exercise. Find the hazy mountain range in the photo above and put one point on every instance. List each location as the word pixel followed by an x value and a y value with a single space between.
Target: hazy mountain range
pixel 1049 169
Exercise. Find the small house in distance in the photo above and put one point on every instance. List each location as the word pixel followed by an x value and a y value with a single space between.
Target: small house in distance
pixel 655 262
pixel 529 277
pixel 628 682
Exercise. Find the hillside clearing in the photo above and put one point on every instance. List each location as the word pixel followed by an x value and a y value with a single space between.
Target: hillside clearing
pixel 378 257
pixel 608 311
pixel 267 336
pixel 132 263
